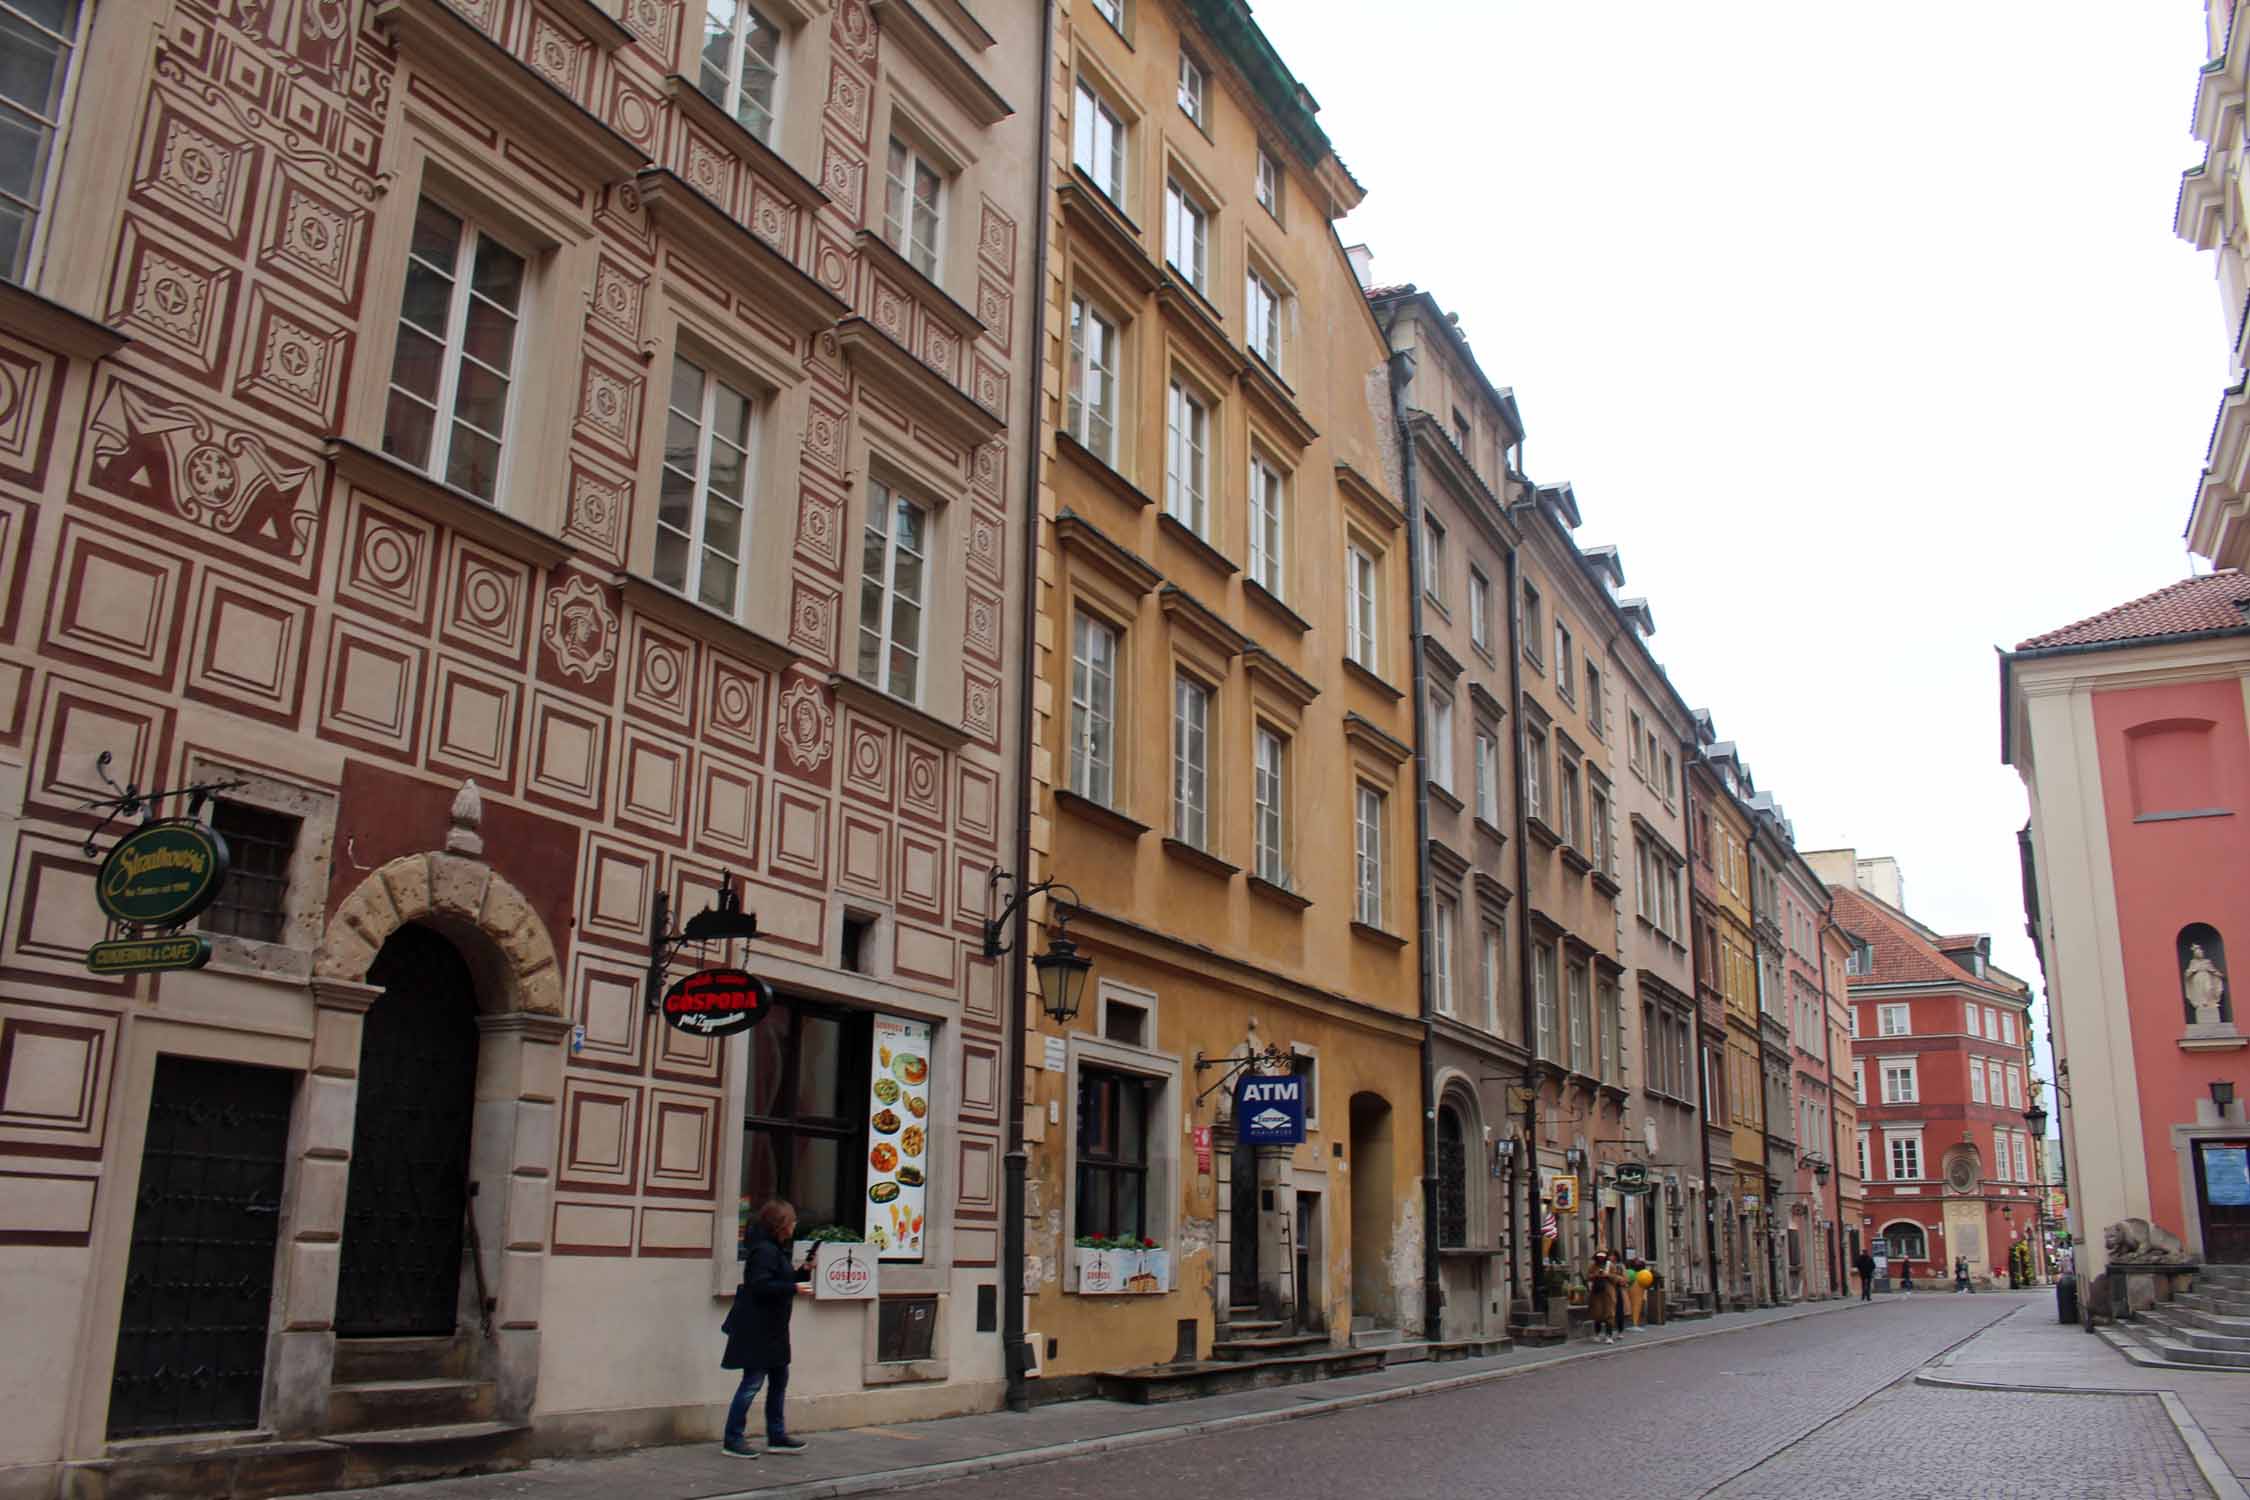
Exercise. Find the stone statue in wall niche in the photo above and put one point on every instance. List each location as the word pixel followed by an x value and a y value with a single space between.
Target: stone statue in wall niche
pixel 2206 986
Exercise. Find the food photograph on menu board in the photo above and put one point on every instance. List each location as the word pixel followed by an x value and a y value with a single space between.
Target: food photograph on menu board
pixel 898 1137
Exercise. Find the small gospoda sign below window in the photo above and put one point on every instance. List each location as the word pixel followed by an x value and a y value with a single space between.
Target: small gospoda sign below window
pixel 1269 1110
pixel 717 1002
pixel 161 874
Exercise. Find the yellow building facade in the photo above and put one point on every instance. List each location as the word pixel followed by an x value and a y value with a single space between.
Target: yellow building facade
pixel 1740 1213
pixel 1221 763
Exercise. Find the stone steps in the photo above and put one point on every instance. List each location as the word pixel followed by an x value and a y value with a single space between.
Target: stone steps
pixel 1234 1350
pixel 2175 1326
pixel 256 1467
pixel 2222 1303
pixel 1154 1383
pixel 450 1356
pixel 384 1405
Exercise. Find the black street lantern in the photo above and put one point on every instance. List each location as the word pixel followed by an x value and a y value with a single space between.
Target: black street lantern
pixel 1062 977
pixel 1062 968
pixel 2036 1118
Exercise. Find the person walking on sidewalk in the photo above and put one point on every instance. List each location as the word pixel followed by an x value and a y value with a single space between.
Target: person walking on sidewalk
pixel 1601 1298
pixel 1864 1264
pixel 1636 1294
pixel 1960 1273
pixel 757 1329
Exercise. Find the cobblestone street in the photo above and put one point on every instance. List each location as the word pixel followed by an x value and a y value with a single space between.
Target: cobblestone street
pixel 1715 1416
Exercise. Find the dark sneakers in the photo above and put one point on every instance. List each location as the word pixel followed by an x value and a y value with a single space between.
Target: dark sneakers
pixel 738 1450
pixel 785 1445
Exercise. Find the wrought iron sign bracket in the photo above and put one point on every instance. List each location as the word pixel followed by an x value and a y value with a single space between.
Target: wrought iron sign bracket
pixel 1272 1058
pixel 994 946
pixel 715 923
pixel 132 802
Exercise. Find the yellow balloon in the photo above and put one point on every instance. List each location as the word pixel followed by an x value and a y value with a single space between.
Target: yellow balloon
pixel 1645 1278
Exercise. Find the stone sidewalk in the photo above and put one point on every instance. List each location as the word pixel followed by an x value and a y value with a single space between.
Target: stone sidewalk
pixel 2030 1351
pixel 864 1460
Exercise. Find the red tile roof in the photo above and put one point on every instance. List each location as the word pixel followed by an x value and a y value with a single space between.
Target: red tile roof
pixel 1903 953
pixel 2215 601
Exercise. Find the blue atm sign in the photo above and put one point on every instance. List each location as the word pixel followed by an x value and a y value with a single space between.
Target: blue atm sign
pixel 1270 1111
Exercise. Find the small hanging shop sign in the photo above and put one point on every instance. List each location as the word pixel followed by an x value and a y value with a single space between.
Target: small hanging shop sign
pixel 161 874
pixel 717 1002
pixel 149 955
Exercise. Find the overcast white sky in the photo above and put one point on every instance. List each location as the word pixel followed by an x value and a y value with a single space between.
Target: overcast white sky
pixel 1862 330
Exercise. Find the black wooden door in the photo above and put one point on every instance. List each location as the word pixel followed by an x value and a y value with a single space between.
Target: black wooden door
pixel 401 1272
pixel 2222 1189
pixel 1242 1248
pixel 191 1335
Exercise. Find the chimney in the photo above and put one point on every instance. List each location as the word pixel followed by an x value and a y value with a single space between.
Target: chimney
pixel 1363 264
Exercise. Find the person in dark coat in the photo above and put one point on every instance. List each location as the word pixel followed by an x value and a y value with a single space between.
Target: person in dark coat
pixel 1864 1263
pixel 757 1328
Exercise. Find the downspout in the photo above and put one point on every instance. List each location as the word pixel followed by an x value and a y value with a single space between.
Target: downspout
pixel 1841 1281
pixel 1015 1164
pixel 1433 1288
pixel 1696 955
pixel 1534 1230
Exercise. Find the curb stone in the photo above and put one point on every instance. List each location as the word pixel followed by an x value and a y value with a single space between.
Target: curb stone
pixel 968 1468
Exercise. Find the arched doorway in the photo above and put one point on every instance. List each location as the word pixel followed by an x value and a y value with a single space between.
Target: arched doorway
pixel 400 1272
pixel 1374 1201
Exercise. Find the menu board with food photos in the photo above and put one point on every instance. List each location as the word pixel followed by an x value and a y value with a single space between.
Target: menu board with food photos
pixel 898 1137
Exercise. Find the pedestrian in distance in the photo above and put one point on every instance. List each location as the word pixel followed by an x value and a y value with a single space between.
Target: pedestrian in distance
pixel 1864 1264
pixel 1636 1295
pixel 1960 1273
pixel 757 1328
pixel 1906 1283
pixel 1602 1299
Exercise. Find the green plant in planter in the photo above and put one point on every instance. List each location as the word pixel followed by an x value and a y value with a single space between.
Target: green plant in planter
pixel 1116 1242
pixel 832 1234
pixel 1558 1279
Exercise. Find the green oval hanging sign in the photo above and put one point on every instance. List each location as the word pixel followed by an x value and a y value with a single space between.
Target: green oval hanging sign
pixel 161 875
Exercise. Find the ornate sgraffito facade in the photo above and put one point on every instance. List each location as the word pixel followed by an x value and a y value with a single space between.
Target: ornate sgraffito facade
pixel 699 562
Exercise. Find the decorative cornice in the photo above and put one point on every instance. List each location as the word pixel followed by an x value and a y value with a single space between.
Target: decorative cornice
pixel 896 711
pixel 1088 211
pixel 1271 396
pixel 1276 674
pixel 779 286
pixel 653 599
pixel 950 411
pixel 761 158
pixel 1363 732
pixel 1186 310
pixel 1188 613
pixel 1361 491
pixel 965 325
pixel 50 325
pixel 919 38
pixel 1074 533
pixel 1094 465
pixel 410 488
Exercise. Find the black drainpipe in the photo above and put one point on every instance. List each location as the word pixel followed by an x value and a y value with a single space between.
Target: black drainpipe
pixel 1015 1163
pixel 1433 1282
pixel 1534 1219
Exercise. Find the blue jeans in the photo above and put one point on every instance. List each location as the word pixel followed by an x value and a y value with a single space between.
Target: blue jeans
pixel 775 1379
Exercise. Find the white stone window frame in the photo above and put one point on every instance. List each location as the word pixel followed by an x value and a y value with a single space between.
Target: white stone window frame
pixel 1161 1191
pixel 1195 737
pixel 785 23
pixel 1912 1069
pixel 1080 760
pixel 40 212
pixel 305 904
pixel 1895 1137
pixel 1190 458
pixel 1194 95
pixel 924 252
pixel 1189 231
pixel 893 495
pixel 1087 305
pixel 1885 1014
pixel 1445 938
pixel 1270 179
pixel 1370 856
pixel 1363 595
pixel 1270 483
pixel 715 374
pixel 1444 729
pixel 1099 109
pixel 1278 871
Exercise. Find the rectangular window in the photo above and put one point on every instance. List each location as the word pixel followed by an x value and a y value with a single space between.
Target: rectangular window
pixel 1891 1020
pixel 891 590
pixel 1441 740
pixel 1488 977
pixel 702 508
pixel 1613 1031
pixel 740 66
pixel 1532 627
pixel 1597 828
pixel 2023 1157
pixel 40 41
pixel 253 901
pixel 2015 1087
pixel 1579 1019
pixel 1093 711
pixel 1366 639
pixel 1262 317
pixel 804 1123
pixel 1097 145
pixel 1566 804
pixel 1192 89
pixel 1191 729
pixel 1272 792
pixel 1594 699
pixel 1269 184
pixel 453 374
pixel 1859 1083
pixel 1534 774
pixel 1367 840
pixel 1187 233
pixel 1670 785
pixel 1268 527
pixel 1112 1152
pixel 1112 11
pixel 1863 1154
pixel 1636 737
pixel 1091 413
pixel 1488 778
pixel 1480 611
pixel 1543 997
pixel 2007 1028
pixel 1976 1081
pixel 912 192
pixel 1566 682
pixel 1976 1020
pixel 1899 1083
pixel 1187 460
pixel 1441 962
pixel 1906 1157
pixel 1433 557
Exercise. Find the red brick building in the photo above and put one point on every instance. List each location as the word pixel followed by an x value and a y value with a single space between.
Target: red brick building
pixel 1941 1062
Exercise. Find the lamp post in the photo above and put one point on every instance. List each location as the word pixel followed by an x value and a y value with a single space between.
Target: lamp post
pixel 2036 1118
